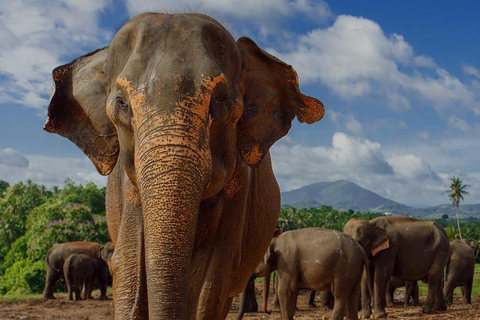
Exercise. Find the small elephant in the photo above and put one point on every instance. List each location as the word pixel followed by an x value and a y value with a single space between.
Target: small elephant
pixel 411 291
pixel 316 259
pixel 460 269
pixel 79 272
pixel 57 255
pixel 407 248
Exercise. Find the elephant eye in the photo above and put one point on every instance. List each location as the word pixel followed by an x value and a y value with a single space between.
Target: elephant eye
pixel 121 104
pixel 221 98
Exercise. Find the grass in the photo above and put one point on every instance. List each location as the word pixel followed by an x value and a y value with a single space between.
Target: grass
pixel 423 287
pixel 21 296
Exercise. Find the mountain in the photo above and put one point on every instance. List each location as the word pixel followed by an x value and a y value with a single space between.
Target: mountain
pixel 344 195
pixel 341 195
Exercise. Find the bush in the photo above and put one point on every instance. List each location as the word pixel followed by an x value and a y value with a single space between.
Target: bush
pixel 24 276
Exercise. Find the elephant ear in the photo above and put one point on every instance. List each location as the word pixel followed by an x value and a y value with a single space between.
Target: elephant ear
pixel 380 240
pixel 77 109
pixel 272 99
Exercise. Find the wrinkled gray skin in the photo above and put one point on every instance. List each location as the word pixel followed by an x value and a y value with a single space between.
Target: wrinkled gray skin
pixel 57 255
pixel 460 270
pixel 411 291
pixel 317 259
pixel 79 272
pixel 181 118
pixel 409 249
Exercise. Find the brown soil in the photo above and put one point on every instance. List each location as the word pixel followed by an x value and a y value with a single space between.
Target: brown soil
pixel 61 308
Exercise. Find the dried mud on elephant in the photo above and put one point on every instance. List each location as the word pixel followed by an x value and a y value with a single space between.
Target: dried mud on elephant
pixel 61 308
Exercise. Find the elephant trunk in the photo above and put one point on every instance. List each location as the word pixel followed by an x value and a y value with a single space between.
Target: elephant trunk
pixel 173 166
pixel 266 291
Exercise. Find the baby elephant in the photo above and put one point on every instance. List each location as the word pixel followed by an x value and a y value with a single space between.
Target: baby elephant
pixel 79 272
pixel 460 269
pixel 316 259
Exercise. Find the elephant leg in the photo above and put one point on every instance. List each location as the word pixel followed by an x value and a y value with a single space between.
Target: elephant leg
pixel 366 297
pixel 50 280
pixel 467 291
pixel 409 288
pixel 352 303
pixel 77 283
pixel 435 299
pixel 326 300
pixel 128 267
pixel 415 296
pixel 287 296
pixel 102 282
pixel 87 293
pixel 448 292
pixel 390 294
pixel 311 298
pixel 70 288
pixel 381 277
pixel 341 299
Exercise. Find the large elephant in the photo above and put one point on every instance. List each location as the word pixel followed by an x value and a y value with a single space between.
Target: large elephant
pixel 79 271
pixel 460 270
pixel 317 259
pixel 57 255
pixel 407 248
pixel 181 117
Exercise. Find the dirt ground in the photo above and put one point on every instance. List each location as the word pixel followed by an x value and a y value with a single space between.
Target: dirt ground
pixel 61 308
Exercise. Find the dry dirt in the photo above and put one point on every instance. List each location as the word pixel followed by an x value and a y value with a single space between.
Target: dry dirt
pixel 61 308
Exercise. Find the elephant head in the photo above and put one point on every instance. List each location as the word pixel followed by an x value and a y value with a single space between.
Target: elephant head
pixel 372 238
pixel 176 104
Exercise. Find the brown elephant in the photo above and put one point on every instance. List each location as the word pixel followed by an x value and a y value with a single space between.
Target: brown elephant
pixel 407 248
pixel 57 255
pixel 411 291
pixel 317 259
pixel 460 270
pixel 181 117
pixel 79 271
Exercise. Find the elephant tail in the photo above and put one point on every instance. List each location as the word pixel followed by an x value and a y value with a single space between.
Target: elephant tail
pixel 47 261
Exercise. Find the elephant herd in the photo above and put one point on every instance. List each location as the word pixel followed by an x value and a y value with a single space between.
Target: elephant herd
pixel 79 263
pixel 366 263
pixel 181 117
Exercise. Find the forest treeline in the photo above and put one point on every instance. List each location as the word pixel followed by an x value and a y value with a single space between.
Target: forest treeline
pixel 33 218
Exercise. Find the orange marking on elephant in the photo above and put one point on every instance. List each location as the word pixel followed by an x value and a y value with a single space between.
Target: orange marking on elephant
pixel 232 187
pixel 254 155
pixel 137 96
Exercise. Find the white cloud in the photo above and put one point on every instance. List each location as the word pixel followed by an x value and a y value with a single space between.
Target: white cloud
pixel 471 71
pixel 354 58
pixel 50 171
pixel 459 124
pixel 404 176
pixel 36 36
pixel 12 158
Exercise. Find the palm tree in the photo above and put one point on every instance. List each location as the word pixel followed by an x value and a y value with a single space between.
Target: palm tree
pixel 455 193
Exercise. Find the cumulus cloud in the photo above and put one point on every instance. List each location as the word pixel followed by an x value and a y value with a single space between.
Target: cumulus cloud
pixel 50 171
pixel 12 158
pixel 404 177
pixel 458 124
pixel 354 58
pixel 36 36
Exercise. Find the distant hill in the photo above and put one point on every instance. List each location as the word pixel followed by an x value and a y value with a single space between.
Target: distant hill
pixel 344 195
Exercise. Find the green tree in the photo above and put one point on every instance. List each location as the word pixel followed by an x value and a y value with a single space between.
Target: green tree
pixel 455 192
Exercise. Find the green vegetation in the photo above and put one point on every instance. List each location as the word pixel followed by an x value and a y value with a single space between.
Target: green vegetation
pixel 32 219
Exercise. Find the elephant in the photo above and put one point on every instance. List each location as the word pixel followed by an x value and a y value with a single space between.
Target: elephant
pixel 411 291
pixel 317 259
pixel 181 117
pixel 79 271
pixel 460 270
pixel 407 248
pixel 57 255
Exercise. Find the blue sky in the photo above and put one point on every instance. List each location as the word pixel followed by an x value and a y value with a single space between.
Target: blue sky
pixel 400 81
